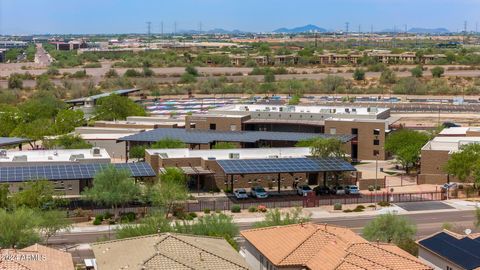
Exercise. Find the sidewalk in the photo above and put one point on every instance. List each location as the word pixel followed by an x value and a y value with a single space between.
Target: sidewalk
pixel 316 213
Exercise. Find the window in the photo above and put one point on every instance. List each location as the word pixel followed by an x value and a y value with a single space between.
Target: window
pixel 376 131
pixel 213 126
pixel 233 127
pixel 376 142
pixel 192 125
pixel 376 153
pixel 333 131
pixel 354 131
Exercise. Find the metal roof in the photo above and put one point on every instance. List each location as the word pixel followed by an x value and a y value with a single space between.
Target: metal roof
pixel 6 141
pixel 461 251
pixel 208 136
pixel 69 171
pixel 95 97
pixel 284 165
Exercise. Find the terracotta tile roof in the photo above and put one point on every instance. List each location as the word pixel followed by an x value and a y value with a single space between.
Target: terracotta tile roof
pixel 35 257
pixel 322 246
pixel 168 251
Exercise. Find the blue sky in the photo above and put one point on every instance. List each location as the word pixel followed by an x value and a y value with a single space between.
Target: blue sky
pixel 127 16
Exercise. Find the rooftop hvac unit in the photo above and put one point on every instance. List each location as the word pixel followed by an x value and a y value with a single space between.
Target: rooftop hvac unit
pixel 211 158
pixel 22 158
pixel 3 153
pixel 234 155
pixel 96 151
pixel 273 156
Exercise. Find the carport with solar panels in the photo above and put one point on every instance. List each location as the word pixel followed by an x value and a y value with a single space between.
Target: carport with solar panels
pixel 311 166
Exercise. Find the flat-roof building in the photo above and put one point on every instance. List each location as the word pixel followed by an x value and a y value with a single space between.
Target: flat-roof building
pixel 51 157
pixel 245 168
pixel 367 125
pixel 435 155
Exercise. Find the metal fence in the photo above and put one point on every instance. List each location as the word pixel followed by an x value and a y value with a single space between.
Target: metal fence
pixel 223 204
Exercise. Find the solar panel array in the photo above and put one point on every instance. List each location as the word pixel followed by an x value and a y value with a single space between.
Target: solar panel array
pixel 209 136
pixel 4 141
pixel 463 252
pixel 284 165
pixel 69 171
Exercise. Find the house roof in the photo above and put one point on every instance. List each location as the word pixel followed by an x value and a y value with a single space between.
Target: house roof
pixel 459 249
pixel 167 251
pixel 35 257
pixel 322 246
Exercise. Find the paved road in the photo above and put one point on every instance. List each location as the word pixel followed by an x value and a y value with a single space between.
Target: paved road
pixel 427 223
pixel 41 56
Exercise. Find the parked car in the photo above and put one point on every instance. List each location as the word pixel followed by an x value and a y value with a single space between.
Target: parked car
pixel 240 193
pixel 338 190
pixel 303 190
pixel 322 190
pixel 259 192
pixel 352 189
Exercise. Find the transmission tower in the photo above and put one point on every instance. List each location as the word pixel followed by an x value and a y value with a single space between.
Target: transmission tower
pixel 149 34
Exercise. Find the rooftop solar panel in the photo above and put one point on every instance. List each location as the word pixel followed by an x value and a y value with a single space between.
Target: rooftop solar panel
pixel 284 165
pixel 5 141
pixel 209 136
pixel 463 252
pixel 69 171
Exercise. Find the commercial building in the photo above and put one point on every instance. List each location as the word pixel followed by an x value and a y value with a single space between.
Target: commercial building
pixel 52 157
pixel 35 257
pixel 12 44
pixel 68 178
pixel 436 153
pixel 246 168
pixel 321 246
pixel 446 250
pixel 367 125
pixel 168 251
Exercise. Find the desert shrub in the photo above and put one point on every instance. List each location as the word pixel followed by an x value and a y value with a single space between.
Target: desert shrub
pixel 206 211
pixel 252 209
pixel 337 206
pixel 236 208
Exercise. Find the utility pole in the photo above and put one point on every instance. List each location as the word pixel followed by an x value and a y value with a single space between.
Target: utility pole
pixel 149 25
pixel 464 32
pixel 200 27
pixel 161 28
pixel 174 28
pixel 371 34
pixel 346 33
pixel 360 35
pixel 394 39
pixel 316 42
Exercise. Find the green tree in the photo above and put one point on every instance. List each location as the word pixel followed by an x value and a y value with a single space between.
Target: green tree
pixel 41 105
pixel 170 188
pixel 417 71
pixel 35 194
pixel 394 229
pixel 191 70
pixel 168 143
pixel 4 196
pixel 465 163
pixel 276 218
pixel 15 81
pixel 113 187
pixel 10 118
pixel 115 107
pixel 187 78
pixel 137 152
pixel 111 73
pixel 224 145
pixel 67 142
pixel 67 120
pixel 51 222
pixel 294 100
pixel 18 228
pixel 269 76
pixel 332 84
pixel 477 217
pixel 406 145
pixel 324 147
pixel 388 77
pixel 437 72
pixel 359 74
pixel 36 130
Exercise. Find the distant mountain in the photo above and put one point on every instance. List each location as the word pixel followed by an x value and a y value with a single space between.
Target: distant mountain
pixel 418 30
pixel 301 29
pixel 212 31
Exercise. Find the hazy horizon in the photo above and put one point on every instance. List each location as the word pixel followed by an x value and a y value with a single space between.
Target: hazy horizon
pixel 24 17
